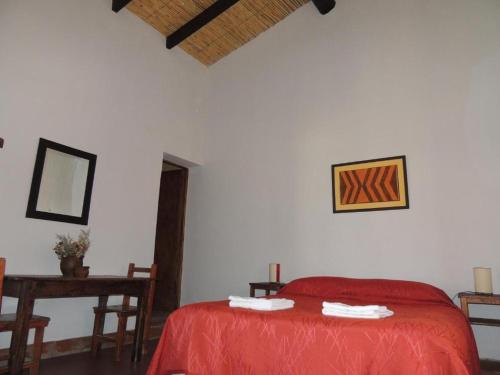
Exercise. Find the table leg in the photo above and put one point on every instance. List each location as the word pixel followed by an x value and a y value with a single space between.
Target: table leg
pixel 19 338
pixel 142 303
pixel 268 292
pixel 465 307
pixel 252 291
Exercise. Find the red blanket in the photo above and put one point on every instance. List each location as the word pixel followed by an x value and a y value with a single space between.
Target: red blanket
pixel 427 334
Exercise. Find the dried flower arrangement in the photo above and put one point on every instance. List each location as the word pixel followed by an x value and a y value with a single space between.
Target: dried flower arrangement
pixel 67 246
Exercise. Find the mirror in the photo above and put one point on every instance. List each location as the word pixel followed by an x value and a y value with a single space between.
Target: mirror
pixel 62 184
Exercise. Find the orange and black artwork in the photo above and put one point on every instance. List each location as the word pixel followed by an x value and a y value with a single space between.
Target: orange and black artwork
pixel 378 184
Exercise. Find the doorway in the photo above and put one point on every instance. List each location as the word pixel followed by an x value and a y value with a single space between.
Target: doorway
pixel 170 237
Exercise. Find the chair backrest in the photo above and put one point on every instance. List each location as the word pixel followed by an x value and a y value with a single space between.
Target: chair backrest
pixel 152 271
pixel 2 274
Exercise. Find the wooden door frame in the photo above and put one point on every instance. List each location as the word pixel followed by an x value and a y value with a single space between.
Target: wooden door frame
pixel 185 172
pixel 182 218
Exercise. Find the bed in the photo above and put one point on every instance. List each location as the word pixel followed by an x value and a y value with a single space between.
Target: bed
pixel 428 334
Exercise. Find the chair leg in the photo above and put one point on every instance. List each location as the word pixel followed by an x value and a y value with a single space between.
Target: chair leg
pixel 98 330
pixel 147 333
pixel 37 351
pixel 120 336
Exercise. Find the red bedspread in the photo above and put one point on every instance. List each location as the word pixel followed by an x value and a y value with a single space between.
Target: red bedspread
pixel 426 335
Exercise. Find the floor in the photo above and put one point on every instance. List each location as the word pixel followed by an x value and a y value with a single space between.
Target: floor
pixel 490 367
pixel 85 364
pixel 103 364
pixel 485 372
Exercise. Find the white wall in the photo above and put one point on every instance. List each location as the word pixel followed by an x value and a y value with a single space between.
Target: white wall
pixel 372 79
pixel 76 73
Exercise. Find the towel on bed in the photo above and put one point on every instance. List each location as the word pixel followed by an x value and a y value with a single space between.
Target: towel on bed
pixel 261 304
pixel 362 312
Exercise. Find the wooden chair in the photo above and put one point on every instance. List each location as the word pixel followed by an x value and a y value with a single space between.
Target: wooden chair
pixel 124 311
pixel 38 323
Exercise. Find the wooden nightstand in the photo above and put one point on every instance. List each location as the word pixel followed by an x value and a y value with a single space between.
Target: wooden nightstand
pixel 267 286
pixel 467 298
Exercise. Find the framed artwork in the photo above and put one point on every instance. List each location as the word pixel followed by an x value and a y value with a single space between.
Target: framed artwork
pixel 369 185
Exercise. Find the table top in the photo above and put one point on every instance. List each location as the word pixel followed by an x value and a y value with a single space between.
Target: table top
pixel 266 283
pixel 56 286
pixel 68 279
pixel 474 294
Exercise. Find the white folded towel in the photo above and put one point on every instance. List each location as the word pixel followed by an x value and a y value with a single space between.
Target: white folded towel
pixel 357 315
pixel 362 312
pixel 349 308
pixel 261 304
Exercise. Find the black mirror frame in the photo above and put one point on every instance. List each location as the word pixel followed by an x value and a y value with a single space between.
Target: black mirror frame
pixel 32 212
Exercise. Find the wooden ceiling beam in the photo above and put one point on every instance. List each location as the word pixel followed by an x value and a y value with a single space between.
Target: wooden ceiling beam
pixel 202 19
pixel 119 5
pixel 324 6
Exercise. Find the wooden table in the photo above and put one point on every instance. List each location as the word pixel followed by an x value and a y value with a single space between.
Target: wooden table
pixel 267 286
pixel 28 288
pixel 467 298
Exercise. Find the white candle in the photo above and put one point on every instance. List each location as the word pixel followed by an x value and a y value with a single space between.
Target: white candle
pixel 274 272
pixel 482 280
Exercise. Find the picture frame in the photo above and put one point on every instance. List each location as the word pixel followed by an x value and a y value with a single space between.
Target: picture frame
pixel 61 187
pixel 370 185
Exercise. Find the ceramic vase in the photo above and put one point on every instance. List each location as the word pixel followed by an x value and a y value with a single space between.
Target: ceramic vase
pixel 68 265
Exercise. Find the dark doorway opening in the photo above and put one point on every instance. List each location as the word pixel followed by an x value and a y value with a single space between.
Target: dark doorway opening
pixel 170 238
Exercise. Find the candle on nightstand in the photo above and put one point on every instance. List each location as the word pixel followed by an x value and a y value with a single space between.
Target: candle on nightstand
pixel 482 280
pixel 274 272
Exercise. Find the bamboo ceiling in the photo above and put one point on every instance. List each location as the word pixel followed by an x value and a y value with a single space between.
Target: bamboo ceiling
pixel 232 29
